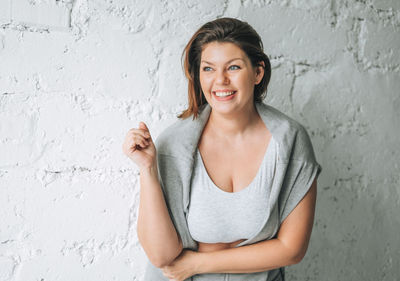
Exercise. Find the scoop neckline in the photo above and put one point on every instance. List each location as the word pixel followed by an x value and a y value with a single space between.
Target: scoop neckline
pixel 249 185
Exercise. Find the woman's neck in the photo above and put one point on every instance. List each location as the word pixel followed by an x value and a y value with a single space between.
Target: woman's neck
pixel 234 126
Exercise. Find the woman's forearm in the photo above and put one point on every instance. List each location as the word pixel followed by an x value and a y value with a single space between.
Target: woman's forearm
pixel 261 256
pixel 156 232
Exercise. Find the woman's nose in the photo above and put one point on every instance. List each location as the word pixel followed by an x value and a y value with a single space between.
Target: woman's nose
pixel 222 78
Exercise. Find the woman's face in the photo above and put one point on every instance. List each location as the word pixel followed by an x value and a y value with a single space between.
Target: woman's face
pixel 226 69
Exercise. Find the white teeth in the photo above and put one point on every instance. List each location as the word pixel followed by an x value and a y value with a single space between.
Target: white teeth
pixel 223 94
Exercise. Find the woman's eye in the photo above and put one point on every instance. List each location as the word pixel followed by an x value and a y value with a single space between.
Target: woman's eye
pixel 234 67
pixel 206 68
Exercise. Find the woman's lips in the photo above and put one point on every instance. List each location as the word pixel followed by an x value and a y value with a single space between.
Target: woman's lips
pixel 226 97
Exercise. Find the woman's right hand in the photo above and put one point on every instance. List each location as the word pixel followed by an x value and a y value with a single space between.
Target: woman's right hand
pixel 139 147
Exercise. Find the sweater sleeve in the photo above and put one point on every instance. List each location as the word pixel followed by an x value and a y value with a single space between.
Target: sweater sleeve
pixel 302 169
pixel 172 181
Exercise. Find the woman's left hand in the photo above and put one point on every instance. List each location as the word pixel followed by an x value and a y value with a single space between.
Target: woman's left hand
pixel 184 266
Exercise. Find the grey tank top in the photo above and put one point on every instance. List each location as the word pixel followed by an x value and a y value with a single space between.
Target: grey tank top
pixel 217 216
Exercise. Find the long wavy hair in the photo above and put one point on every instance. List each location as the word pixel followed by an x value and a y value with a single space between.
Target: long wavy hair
pixel 222 30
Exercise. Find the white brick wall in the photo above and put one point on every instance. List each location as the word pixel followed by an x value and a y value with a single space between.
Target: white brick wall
pixel 5 12
pixel 75 76
pixel 40 14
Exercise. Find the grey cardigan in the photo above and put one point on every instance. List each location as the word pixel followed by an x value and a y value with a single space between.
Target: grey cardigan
pixel 295 171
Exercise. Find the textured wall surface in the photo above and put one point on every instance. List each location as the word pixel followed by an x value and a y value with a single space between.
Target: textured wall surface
pixel 76 75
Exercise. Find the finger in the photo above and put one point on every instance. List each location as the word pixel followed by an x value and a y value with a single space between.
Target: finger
pixel 143 126
pixel 141 132
pixel 134 144
pixel 146 134
pixel 140 141
pixel 133 148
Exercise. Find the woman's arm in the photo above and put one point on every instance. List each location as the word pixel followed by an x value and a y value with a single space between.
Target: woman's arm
pixel 156 232
pixel 288 248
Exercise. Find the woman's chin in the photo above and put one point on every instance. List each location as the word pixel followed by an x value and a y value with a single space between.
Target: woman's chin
pixel 224 108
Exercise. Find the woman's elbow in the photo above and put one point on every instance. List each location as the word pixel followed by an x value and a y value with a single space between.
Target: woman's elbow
pixel 298 256
pixel 167 258
pixel 159 262
pixel 163 256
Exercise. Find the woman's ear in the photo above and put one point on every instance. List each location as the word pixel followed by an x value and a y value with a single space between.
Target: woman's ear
pixel 259 72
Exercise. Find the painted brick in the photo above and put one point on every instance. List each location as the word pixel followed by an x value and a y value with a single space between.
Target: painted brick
pixel 69 196
pixel 40 14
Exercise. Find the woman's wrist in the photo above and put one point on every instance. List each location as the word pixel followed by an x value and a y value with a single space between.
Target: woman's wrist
pixel 149 171
pixel 201 263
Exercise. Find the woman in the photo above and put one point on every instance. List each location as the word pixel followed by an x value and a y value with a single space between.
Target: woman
pixel 230 193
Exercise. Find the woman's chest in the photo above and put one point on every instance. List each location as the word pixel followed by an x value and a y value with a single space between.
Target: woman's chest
pixel 233 167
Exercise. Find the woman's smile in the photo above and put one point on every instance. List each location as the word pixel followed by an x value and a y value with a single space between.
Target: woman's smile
pixel 223 95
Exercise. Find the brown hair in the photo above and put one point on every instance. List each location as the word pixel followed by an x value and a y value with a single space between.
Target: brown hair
pixel 222 30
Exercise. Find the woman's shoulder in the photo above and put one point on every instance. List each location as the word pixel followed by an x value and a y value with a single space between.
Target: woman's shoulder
pixel 291 135
pixel 178 138
pixel 170 137
pixel 279 122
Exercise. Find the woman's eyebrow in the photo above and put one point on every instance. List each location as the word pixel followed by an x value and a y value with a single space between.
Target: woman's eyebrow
pixel 225 63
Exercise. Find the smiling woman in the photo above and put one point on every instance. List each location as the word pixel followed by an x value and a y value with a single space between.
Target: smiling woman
pixel 238 179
